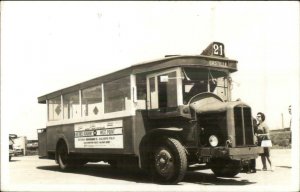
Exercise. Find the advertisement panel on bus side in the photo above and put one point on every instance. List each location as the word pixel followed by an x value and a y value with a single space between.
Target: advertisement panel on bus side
pixel 108 134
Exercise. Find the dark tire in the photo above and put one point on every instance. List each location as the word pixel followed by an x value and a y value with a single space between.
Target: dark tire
pixel 169 163
pixel 63 157
pixel 225 167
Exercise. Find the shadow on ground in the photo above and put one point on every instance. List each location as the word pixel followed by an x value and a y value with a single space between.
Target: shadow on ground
pixel 211 179
pixel 106 171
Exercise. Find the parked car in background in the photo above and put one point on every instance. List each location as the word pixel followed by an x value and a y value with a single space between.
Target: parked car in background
pixel 18 150
pixel 32 144
pixel 11 148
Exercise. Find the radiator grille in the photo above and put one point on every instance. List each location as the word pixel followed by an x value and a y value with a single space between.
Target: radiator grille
pixel 243 126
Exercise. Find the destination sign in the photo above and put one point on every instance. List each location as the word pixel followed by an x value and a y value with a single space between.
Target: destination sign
pixel 218 63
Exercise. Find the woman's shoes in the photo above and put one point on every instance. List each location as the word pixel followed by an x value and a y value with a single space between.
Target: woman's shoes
pixel 264 169
pixel 271 169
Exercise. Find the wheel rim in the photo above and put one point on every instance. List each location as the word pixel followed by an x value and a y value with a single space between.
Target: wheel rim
pixel 164 163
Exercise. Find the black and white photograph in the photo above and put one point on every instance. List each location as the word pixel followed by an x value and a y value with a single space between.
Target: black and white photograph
pixel 150 96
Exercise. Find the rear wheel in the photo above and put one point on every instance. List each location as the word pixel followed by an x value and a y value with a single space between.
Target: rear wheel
pixel 225 167
pixel 169 162
pixel 63 157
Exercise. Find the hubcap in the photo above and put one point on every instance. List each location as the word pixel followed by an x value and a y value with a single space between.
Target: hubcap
pixel 164 163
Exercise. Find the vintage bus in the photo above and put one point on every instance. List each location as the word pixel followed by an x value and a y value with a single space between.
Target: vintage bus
pixel 160 116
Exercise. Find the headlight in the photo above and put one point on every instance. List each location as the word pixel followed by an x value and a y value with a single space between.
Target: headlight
pixel 213 140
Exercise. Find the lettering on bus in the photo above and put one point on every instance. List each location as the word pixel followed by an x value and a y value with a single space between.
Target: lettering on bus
pixel 218 63
pixel 99 135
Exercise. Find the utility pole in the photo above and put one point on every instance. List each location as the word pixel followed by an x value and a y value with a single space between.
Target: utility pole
pixel 282 121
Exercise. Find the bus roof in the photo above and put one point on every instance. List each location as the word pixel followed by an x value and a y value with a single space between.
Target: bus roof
pixel 151 66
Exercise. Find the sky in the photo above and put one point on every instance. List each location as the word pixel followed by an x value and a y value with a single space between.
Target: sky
pixel 46 46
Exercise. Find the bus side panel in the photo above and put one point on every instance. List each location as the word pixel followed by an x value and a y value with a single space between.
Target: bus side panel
pixel 129 135
pixel 54 133
pixel 42 139
pixel 124 139
pixel 120 142
pixel 139 129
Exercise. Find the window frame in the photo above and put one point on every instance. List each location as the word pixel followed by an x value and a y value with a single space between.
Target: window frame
pixel 101 107
pixel 226 90
pixel 60 116
pixel 70 114
pixel 130 105
pixel 129 94
pixel 154 104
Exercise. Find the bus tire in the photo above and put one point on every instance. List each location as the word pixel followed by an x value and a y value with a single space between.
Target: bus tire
pixel 63 157
pixel 225 167
pixel 169 163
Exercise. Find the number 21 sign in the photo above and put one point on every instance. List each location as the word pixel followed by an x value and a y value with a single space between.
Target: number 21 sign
pixel 218 49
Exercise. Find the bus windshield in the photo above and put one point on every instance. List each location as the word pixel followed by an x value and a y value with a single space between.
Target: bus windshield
pixel 199 80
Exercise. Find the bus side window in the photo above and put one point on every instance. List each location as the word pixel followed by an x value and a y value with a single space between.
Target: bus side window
pixel 115 94
pixel 91 101
pixel 54 109
pixel 71 105
pixel 141 88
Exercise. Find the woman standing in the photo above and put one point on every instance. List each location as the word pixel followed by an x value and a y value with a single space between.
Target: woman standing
pixel 263 133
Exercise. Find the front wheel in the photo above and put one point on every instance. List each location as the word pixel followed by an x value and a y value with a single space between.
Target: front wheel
pixel 225 167
pixel 169 161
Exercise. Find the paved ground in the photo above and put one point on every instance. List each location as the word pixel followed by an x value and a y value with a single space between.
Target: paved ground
pixel 30 173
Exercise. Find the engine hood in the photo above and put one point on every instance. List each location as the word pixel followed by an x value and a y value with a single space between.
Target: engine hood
pixel 209 102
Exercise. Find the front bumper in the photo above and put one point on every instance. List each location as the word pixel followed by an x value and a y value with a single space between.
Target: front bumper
pixel 238 153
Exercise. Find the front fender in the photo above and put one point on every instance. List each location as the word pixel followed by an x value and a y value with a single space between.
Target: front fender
pixel 149 140
pixel 168 129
